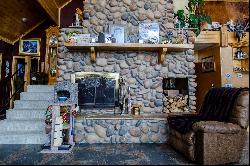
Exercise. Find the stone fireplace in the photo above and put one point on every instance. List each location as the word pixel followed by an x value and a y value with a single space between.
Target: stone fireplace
pixel 139 69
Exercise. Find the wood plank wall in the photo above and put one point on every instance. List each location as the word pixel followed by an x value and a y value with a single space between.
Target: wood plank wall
pixel 225 11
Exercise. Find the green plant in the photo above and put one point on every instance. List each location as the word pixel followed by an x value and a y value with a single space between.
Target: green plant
pixel 181 19
pixel 196 16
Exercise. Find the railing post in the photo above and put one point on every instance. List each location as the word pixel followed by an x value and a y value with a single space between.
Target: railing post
pixel 27 72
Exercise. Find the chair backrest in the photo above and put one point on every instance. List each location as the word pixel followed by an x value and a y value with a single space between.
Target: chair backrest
pixel 219 103
pixel 240 114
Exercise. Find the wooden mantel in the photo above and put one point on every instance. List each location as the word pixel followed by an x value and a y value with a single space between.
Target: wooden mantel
pixel 160 48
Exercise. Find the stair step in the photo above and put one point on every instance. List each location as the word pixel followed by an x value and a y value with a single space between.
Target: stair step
pixel 27 114
pixel 24 138
pixel 24 124
pixel 29 104
pixel 9 125
pixel 37 96
pixel 40 88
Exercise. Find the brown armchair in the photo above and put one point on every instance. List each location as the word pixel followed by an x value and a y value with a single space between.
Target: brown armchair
pixel 212 141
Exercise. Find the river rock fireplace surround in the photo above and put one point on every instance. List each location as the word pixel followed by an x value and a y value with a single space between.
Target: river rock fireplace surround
pixel 140 71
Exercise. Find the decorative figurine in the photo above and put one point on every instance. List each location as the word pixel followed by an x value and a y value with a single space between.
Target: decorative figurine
pixel 239 30
pixel 78 17
pixel 185 33
pixel 101 37
pixel 230 26
pixel 216 26
pixel 169 36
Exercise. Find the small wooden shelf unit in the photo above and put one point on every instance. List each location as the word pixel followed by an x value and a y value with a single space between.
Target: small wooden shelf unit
pixel 160 48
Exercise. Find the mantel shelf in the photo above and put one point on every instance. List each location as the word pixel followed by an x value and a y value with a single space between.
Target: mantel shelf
pixel 160 48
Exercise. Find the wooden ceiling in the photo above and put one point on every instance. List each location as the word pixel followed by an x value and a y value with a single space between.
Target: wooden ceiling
pixel 12 28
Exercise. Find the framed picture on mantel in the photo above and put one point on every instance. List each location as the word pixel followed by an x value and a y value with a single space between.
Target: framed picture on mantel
pixel 118 32
pixel 208 64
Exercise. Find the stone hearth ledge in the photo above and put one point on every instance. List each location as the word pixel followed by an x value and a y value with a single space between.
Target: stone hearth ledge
pixel 101 128
pixel 121 116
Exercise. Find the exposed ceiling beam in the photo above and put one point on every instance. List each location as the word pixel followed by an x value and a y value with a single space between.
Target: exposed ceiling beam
pixel 62 3
pixel 51 8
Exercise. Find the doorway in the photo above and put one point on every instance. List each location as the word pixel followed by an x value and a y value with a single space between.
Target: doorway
pixel 26 68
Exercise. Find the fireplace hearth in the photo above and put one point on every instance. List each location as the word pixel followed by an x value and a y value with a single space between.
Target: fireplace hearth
pixel 97 89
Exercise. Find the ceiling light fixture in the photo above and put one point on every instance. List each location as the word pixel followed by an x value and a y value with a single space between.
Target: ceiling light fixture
pixel 24 19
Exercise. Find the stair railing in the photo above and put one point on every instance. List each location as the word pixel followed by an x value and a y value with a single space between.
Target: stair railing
pixel 8 91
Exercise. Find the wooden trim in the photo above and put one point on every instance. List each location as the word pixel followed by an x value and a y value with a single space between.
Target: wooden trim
pixel 59 12
pixel 65 4
pixel 160 48
pixel 224 37
pixel 93 54
pixel 49 6
pixel 130 46
pixel 59 17
pixel 161 55
pixel 7 40
pixel 27 72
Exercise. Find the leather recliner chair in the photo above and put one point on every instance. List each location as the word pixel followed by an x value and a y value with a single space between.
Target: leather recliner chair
pixel 215 142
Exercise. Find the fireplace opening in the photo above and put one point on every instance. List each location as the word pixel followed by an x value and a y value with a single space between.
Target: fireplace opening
pixel 176 95
pixel 97 90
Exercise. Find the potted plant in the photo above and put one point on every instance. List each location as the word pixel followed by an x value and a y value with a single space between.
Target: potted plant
pixel 196 18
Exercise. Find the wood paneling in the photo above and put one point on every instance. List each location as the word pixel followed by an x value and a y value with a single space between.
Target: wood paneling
pixel 12 12
pixel 232 38
pixel 207 39
pixel 51 8
pixel 205 80
pixel 36 11
pixel 224 11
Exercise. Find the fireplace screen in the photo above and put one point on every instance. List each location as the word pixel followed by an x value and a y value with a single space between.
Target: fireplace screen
pixel 97 90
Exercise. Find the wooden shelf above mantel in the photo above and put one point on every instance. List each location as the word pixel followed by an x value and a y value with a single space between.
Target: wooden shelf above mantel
pixel 160 48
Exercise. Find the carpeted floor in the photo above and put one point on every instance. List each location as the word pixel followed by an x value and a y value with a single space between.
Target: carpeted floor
pixel 94 154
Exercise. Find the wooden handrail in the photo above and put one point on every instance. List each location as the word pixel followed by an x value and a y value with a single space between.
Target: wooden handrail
pixel 6 91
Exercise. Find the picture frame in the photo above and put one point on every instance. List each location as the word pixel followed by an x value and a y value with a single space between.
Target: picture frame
pixel 83 39
pixel 149 32
pixel 118 32
pixel 29 46
pixel 208 64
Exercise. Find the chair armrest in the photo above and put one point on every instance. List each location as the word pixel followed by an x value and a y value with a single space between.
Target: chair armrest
pixel 172 116
pixel 216 127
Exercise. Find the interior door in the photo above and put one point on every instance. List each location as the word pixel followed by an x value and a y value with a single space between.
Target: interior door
pixel 29 65
pixel 17 82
